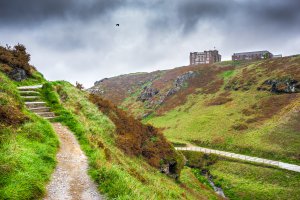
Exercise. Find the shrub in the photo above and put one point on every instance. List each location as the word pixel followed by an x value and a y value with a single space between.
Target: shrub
pixel 79 86
pixel 16 57
pixel 137 139
pixel 11 115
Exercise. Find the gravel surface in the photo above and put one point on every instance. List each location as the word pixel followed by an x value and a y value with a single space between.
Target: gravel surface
pixel 70 180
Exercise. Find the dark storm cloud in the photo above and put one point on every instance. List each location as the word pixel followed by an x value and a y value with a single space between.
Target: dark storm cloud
pixel 279 13
pixel 35 11
pixel 79 39
pixel 191 12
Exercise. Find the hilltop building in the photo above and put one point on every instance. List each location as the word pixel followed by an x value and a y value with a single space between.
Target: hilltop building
pixel 255 55
pixel 206 57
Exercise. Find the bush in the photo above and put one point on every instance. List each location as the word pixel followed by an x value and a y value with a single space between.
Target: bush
pixel 11 115
pixel 137 139
pixel 16 57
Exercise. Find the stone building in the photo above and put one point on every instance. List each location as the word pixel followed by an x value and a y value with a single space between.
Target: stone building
pixel 255 55
pixel 206 57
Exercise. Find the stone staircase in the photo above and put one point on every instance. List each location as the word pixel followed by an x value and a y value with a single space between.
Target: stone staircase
pixel 33 102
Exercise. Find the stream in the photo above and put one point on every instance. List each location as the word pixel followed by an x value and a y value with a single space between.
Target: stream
pixel 218 190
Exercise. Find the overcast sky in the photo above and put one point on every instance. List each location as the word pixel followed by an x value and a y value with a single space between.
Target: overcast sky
pixel 79 41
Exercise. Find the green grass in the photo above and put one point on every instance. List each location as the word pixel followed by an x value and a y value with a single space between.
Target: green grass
pixel 27 158
pixel 245 181
pixel 117 175
pixel 227 74
pixel 214 126
pixel 36 79
pixel 27 151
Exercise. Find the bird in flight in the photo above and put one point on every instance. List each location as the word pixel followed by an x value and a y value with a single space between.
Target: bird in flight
pixel 117 24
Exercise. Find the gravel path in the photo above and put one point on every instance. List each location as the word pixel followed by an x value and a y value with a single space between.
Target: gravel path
pixel 70 180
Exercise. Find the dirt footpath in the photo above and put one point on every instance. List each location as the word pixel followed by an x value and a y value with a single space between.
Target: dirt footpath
pixel 70 180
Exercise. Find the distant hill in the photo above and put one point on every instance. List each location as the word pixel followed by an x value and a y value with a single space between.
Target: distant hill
pixel 248 107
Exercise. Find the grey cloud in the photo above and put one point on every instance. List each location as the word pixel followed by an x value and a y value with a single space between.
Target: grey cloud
pixel 267 13
pixel 78 40
pixel 31 12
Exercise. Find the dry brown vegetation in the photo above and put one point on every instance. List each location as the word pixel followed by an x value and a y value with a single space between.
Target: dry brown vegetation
pixel 269 107
pixel 11 115
pixel 15 57
pixel 207 79
pixel 137 139
pixel 116 89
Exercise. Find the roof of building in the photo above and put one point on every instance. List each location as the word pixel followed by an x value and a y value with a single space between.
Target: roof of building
pixel 252 52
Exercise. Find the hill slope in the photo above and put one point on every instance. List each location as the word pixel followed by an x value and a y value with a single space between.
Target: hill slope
pixel 126 158
pixel 246 107
pixel 28 144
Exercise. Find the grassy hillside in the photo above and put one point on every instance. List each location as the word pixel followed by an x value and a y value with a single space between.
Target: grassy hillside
pixel 119 173
pixel 28 143
pixel 245 180
pixel 246 107
pixel 128 160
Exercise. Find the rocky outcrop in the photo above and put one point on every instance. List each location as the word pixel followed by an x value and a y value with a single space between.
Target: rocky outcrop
pixel 18 74
pixel 180 81
pixel 147 93
pixel 281 86
pixel 95 90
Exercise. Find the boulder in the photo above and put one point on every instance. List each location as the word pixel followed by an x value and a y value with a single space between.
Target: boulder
pixel 18 74
pixel 147 93
pixel 281 86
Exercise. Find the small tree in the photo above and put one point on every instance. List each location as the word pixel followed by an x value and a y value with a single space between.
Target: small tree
pixel 79 86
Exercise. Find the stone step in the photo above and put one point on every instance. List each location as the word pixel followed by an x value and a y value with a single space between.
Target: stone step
pixel 35 104
pixel 46 114
pixel 29 93
pixel 40 109
pixel 28 88
pixel 30 97
pixel 49 118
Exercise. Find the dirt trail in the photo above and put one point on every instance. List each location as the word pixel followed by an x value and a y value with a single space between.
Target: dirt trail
pixel 70 180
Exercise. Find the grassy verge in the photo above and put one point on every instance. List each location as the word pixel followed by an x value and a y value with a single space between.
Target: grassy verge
pixel 28 147
pixel 117 175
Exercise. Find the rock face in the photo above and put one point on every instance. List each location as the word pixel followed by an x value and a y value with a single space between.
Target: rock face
pixel 179 82
pixel 147 93
pixel 281 86
pixel 18 74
